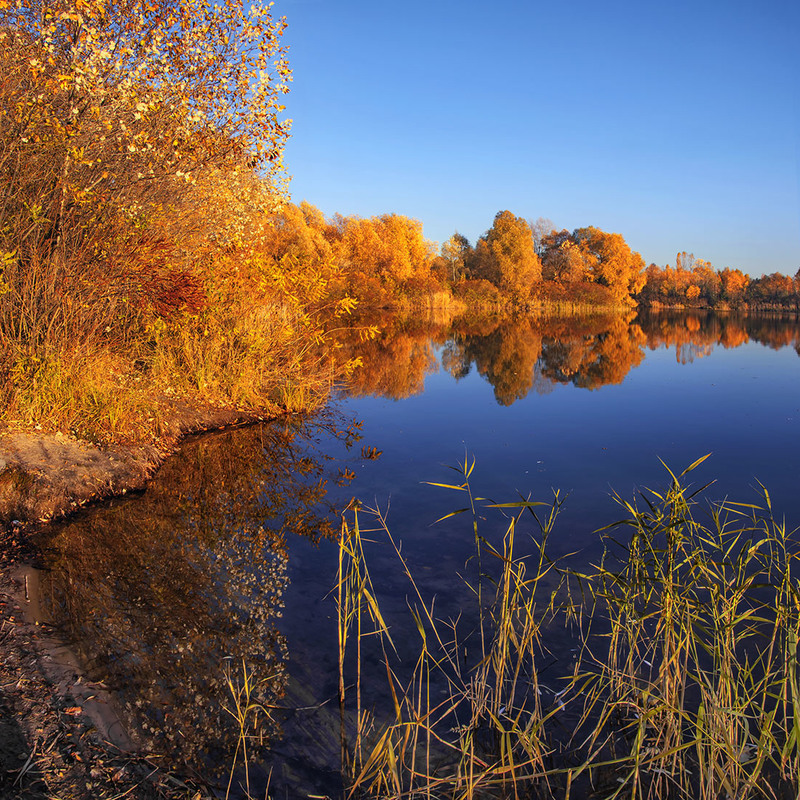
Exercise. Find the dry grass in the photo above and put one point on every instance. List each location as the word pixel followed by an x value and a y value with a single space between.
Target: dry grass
pixel 683 685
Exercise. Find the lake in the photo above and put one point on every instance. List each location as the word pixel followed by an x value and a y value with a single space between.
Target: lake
pixel 230 557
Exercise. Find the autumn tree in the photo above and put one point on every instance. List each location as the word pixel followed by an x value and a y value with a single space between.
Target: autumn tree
pixel 563 260
pixel 707 280
pixel 115 121
pixel 590 254
pixel 540 227
pixel 733 284
pixel 507 256
pixel 611 261
pixel 651 289
pixel 391 243
pixel 695 281
pixel 455 252
pixel 774 289
pixel 140 175
pixel 685 261
pixel 290 237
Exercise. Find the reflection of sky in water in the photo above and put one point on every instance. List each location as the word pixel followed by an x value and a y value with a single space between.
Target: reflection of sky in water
pixel 741 404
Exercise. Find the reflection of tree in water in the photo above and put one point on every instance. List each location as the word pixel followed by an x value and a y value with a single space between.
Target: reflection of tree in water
pixel 596 358
pixel 455 360
pixel 696 334
pixel 774 332
pixel 395 363
pixel 506 356
pixel 517 355
pixel 687 353
pixel 396 369
pixel 159 589
pixel 524 354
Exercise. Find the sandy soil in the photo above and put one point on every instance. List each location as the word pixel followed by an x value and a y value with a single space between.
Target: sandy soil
pixel 43 476
pixel 47 476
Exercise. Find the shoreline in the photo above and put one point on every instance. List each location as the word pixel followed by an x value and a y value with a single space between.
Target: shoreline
pixel 60 734
pixel 46 476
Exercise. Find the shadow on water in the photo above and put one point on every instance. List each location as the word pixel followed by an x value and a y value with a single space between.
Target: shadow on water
pixel 159 590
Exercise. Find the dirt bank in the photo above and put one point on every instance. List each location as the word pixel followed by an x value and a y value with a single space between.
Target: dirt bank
pixel 59 734
pixel 44 476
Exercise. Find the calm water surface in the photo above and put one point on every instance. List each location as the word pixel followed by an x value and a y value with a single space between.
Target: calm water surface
pixel 228 556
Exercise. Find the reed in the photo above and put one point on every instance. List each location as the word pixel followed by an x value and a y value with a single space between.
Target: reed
pixel 260 359
pixel 247 713
pixel 683 682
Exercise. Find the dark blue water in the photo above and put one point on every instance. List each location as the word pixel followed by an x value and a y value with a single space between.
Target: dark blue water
pixel 584 408
pixel 673 403
pixel 740 405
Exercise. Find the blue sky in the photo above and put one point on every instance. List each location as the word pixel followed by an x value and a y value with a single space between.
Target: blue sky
pixel 674 124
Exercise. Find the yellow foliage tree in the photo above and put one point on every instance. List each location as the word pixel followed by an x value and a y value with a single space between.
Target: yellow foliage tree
pixel 115 120
pixel 563 260
pixel 510 260
pixel 455 252
pixel 733 284
pixel 692 293
pixel 390 246
pixel 612 263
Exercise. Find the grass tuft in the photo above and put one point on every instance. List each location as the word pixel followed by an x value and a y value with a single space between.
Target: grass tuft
pixel 683 681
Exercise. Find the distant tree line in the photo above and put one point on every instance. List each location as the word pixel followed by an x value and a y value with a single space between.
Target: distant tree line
pixel 385 261
pixel 694 283
pixel 524 259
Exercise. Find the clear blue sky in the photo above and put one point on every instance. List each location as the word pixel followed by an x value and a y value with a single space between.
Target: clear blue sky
pixel 672 123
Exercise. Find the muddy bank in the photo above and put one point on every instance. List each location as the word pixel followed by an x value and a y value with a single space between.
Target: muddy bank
pixel 59 734
pixel 45 476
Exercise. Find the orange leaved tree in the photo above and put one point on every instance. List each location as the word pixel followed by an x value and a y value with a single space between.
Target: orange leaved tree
pixel 111 116
pixel 508 258
pixel 140 169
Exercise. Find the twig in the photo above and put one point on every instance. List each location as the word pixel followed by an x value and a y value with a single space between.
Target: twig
pixel 28 764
